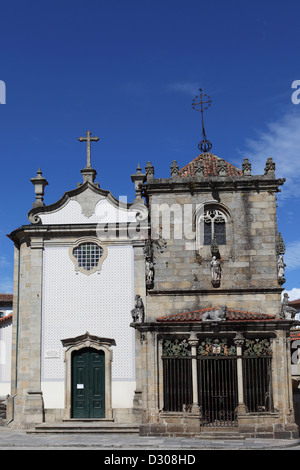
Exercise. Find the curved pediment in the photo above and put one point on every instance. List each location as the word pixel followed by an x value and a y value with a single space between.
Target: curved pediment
pixel 85 204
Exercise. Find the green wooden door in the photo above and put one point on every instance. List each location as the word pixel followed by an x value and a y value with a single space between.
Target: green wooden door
pixel 88 384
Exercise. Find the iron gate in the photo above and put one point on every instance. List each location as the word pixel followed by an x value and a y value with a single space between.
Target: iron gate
pixel 217 378
pixel 217 382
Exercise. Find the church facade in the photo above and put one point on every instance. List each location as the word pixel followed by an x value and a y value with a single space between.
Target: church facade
pixel 165 312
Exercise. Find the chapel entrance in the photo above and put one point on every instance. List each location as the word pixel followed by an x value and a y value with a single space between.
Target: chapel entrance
pixel 88 384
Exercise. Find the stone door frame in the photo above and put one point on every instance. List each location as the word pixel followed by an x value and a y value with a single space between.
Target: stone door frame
pixel 88 341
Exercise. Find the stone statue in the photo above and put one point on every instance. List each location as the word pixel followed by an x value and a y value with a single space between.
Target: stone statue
pixel 138 312
pixel 287 312
pixel 149 273
pixel 281 267
pixel 215 268
pixel 215 315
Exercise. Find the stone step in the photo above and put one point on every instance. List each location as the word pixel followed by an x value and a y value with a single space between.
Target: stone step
pixel 220 434
pixel 84 426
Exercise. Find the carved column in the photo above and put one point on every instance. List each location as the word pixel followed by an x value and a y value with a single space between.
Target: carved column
pixel 239 341
pixel 193 342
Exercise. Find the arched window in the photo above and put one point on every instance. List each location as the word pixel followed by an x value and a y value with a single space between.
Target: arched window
pixel 213 225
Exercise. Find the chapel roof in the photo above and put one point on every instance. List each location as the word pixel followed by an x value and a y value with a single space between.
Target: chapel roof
pixel 231 315
pixel 209 161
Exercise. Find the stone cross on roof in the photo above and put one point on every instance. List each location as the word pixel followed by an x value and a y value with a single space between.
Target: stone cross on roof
pixel 88 139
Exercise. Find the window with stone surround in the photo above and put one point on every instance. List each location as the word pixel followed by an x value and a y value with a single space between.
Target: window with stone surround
pixel 214 225
pixel 88 255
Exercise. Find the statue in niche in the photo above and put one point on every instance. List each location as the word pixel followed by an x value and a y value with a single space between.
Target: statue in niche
pixel 287 312
pixel 215 268
pixel 215 315
pixel 138 312
pixel 149 272
pixel 281 267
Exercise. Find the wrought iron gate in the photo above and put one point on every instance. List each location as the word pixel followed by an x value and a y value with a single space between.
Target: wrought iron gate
pixel 216 378
pixel 177 375
pixel 257 375
pixel 217 383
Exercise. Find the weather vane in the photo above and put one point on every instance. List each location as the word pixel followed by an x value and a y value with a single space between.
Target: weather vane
pixel 202 103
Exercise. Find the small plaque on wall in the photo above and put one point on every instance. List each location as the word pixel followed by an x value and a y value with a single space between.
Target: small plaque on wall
pixel 51 354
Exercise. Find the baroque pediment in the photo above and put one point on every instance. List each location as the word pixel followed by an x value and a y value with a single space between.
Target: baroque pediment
pixel 85 204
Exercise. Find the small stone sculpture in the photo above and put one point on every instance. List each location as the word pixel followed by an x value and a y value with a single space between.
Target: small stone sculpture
pixel 215 315
pixel 215 268
pixel 287 312
pixel 138 312
pixel 281 267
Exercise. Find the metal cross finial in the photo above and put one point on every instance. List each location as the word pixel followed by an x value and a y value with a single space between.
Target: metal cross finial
pixel 205 145
pixel 88 140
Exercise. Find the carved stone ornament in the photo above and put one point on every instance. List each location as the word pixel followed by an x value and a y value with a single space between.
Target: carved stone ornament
pixel 246 167
pixel 174 169
pixel 149 169
pixel 239 339
pixel 222 167
pixel 215 315
pixel 138 312
pixel 199 168
pixel 280 246
pixel 287 312
pixel 270 167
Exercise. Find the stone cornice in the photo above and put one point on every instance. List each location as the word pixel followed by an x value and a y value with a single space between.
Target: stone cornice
pixel 204 184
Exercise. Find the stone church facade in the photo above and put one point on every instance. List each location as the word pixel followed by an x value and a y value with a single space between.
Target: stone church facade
pixel 165 312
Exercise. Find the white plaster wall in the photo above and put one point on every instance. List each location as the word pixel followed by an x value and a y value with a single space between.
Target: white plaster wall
pixel 74 303
pixel 5 358
pixel 54 394
pixel 104 212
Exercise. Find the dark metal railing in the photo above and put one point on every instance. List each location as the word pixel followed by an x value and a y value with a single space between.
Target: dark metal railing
pixel 217 389
pixel 177 378
pixel 257 384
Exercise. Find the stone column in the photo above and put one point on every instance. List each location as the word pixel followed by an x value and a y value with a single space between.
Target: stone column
pixel 193 342
pixel 34 406
pixel 239 341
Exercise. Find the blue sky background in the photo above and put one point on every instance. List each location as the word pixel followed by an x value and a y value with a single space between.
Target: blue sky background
pixel 128 71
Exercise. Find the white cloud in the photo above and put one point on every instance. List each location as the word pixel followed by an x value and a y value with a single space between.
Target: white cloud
pixel 281 141
pixel 294 293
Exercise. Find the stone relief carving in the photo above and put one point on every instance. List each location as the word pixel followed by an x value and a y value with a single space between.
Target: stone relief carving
pixel 215 315
pixel 138 312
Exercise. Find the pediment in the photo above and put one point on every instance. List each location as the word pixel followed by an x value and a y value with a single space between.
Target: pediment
pixel 85 204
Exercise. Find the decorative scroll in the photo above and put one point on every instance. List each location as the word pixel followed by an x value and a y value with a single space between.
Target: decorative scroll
pixel 257 347
pixel 176 348
pixel 216 347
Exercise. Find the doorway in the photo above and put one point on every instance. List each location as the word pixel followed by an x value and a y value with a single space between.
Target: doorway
pixel 88 384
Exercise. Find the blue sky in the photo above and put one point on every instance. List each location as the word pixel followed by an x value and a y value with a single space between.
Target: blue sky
pixel 128 71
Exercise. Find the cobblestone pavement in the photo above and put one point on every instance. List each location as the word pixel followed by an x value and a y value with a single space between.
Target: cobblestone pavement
pixel 11 439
